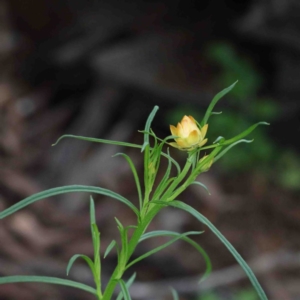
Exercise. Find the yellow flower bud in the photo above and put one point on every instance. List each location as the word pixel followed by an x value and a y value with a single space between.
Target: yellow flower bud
pixel 207 165
pixel 189 135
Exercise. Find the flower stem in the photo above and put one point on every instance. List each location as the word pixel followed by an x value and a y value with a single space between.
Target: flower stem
pixel 118 272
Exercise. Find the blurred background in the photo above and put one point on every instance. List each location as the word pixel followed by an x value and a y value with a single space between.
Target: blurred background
pixel 96 68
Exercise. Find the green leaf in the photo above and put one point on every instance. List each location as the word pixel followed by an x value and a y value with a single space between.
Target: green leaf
pixel 128 285
pixel 174 294
pixel 229 147
pixel 157 233
pixel 202 185
pixel 147 127
pixel 124 289
pixel 97 259
pixel 177 237
pixel 109 247
pixel 120 226
pixel 214 102
pixel 124 241
pixel 92 211
pixel 89 139
pixel 237 256
pixel 135 175
pixel 63 190
pixel 163 182
pixel 86 258
pixel 94 230
pixel 244 133
pixel 95 140
pixel 49 280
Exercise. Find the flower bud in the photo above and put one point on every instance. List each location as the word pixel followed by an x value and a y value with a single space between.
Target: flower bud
pixel 188 135
pixel 207 165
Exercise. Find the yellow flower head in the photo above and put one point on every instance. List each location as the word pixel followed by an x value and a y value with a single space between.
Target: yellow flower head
pixel 189 135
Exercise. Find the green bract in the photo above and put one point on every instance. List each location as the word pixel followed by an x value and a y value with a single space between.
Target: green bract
pixel 153 196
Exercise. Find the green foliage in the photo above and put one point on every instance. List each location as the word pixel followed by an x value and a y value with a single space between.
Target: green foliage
pixel 152 199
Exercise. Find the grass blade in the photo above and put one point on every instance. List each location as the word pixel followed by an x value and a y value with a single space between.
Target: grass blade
pixel 147 127
pixel 62 190
pixel 135 175
pixel 237 256
pixel 109 247
pixel 128 284
pixel 174 294
pixel 95 140
pixel 244 133
pixel 177 237
pixel 186 239
pixel 48 280
pixel 86 258
pixel 214 102
pixel 125 290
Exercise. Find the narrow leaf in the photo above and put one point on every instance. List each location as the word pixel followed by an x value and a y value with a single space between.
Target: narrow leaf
pixel 147 127
pixel 125 290
pixel 202 185
pixel 229 147
pixel 49 280
pixel 174 294
pixel 186 239
pixel 63 190
pixel 89 139
pixel 95 140
pixel 160 247
pixel 244 133
pixel 237 256
pixel 87 260
pixel 214 102
pixel 109 248
pixel 128 284
pixel 92 211
pixel 135 175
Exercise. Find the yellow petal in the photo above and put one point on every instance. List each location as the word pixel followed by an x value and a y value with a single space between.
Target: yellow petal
pixel 185 126
pixel 193 119
pixel 173 130
pixel 204 130
pixel 193 138
pixel 202 143
pixel 182 143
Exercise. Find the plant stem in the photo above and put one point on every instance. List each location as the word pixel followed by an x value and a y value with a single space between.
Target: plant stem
pixel 175 183
pixel 118 273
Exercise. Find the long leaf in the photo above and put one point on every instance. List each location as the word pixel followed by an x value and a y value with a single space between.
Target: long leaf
pixel 202 185
pixel 125 290
pixel 174 294
pixel 214 102
pixel 109 247
pixel 49 280
pixel 161 247
pixel 63 190
pixel 244 133
pixel 147 127
pixel 135 175
pixel 95 140
pixel 237 256
pixel 86 258
pixel 162 185
pixel 157 233
pixel 229 147
pixel 128 285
